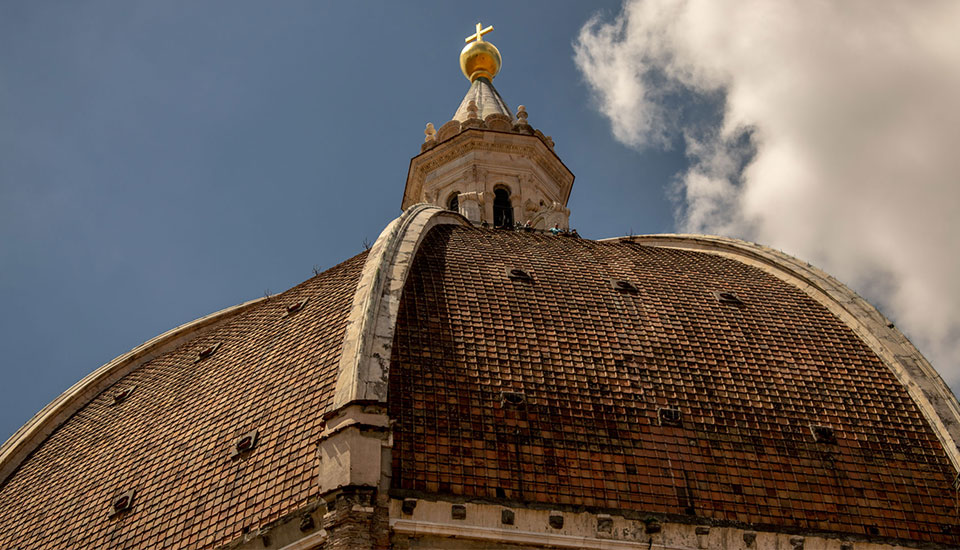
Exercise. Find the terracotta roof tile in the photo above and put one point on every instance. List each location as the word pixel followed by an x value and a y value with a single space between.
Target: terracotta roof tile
pixel 595 364
pixel 171 439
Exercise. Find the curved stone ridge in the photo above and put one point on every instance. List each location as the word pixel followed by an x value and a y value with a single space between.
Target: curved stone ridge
pixel 369 335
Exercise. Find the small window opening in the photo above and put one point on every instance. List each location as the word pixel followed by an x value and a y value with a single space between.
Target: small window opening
pixel 207 352
pixel 502 209
pixel 244 443
pixel 669 417
pixel 623 286
pixel 122 503
pixel 518 274
pixel 823 434
pixel 453 203
pixel 295 307
pixel 122 395
pixel 728 298
pixel 510 399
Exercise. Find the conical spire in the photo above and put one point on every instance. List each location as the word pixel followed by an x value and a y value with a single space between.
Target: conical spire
pixel 485 99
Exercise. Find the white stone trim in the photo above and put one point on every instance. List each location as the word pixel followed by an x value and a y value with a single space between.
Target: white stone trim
pixel 431 521
pixel 354 416
pixel 528 538
pixel 365 355
pixel 308 542
pixel 351 447
pixel 934 398
pixel 25 440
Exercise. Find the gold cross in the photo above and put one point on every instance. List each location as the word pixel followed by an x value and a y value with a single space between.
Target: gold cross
pixel 478 36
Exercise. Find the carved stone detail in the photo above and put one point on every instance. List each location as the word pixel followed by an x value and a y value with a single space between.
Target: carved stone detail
pixel 476 161
pixel 462 149
pixel 448 130
pixel 499 122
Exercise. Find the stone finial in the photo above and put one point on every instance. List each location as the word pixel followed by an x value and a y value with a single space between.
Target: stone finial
pixel 472 111
pixel 430 133
pixel 522 125
pixel 522 115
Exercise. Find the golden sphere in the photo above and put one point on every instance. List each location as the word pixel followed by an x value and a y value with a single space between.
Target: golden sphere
pixel 480 59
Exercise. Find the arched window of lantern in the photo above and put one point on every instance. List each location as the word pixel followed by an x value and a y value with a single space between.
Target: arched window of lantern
pixel 502 208
pixel 453 203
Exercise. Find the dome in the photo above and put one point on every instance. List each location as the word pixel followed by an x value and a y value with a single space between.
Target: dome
pixel 464 386
pixel 656 381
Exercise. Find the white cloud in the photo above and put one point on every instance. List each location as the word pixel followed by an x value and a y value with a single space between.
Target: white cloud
pixel 839 140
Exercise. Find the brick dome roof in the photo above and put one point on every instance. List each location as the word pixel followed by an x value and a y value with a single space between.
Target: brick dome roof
pixel 172 439
pixel 635 377
pixel 660 397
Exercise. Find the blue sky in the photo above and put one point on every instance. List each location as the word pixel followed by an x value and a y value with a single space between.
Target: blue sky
pixel 163 160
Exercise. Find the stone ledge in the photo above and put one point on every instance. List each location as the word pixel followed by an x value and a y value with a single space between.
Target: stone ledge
pixel 430 522
pixel 526 538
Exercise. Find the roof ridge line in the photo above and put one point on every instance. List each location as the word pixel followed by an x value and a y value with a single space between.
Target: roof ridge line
pixel 369 334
